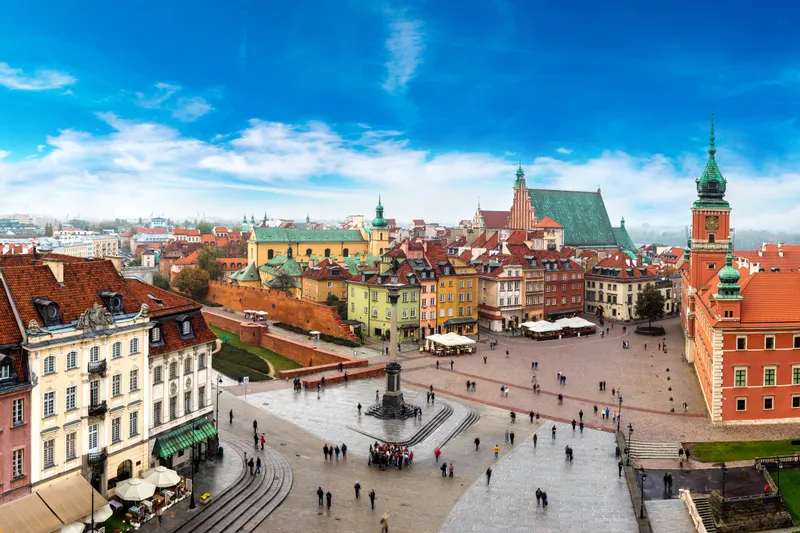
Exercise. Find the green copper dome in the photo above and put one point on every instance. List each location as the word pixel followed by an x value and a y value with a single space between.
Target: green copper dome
pixel 520 175
pixel 728 278
pixel 711 184
pixel 379 221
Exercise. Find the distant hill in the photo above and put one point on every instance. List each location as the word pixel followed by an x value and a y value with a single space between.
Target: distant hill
pixel 743 239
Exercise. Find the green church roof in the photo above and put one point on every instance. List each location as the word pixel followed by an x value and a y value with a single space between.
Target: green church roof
pixel 283 235
pixel 711 184
pixel 379 221
pixel 248 273
pixel 728 287
pixel 281 263
pixel 582 215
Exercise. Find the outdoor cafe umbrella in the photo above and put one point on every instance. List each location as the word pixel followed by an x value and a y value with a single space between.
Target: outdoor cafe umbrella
pixel 100 515
pixel 162 477
pixel 74 527
pixel 135 489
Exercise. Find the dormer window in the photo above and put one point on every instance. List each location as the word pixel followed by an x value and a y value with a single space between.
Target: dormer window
pixel 6 368
pixel 112 301
pixel 49 311
pixel 185 327
pixel 155 336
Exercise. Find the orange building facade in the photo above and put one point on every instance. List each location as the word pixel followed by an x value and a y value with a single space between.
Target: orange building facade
pixel 740 315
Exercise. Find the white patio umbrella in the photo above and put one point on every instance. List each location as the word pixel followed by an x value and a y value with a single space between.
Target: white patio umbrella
pixel 74 527
pixel 135 489
pixel 100 515
pixel 162 477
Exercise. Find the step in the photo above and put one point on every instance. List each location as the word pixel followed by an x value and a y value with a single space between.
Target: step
pixel 653 450
pixel 703 507
pixel 472 418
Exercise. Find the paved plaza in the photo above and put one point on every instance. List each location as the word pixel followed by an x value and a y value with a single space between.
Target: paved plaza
pixel 584 495
pixel 669 516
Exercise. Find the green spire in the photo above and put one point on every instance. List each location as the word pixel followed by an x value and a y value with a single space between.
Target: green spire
pixel 520 175
pixel 244 219
pixel 379 221
pixel 728 287
pixel 711 184
pixel 622 222
pixel 307 219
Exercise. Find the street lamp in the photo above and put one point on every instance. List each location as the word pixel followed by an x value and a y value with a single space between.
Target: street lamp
pixel 644 476
pixel 192 504
pixel 630 433
pixel 780 466
pixel 619 413
pixel 724 469
pixel 219 390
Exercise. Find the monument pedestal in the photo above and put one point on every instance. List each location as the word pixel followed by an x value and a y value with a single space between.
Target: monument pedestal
pixel 392 404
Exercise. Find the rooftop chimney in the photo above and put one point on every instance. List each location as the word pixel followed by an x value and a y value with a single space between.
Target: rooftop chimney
pixel 57 266
pixel 116 260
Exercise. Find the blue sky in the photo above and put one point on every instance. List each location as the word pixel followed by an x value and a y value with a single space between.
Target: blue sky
pixel 237 107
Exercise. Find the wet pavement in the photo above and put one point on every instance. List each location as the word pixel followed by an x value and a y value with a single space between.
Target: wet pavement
pixel 745 481
pixel 669 516
pixel 334 415
pixel 584 495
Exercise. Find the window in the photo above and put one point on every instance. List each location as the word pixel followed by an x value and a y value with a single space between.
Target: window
pixel 741 343
pixel 413 296
pixel 450 312
pixel 116 350
pixel 72 360
pixel 69 451
pixel 49 365
pixel 352 291
pixel 502 302
pixel 374 296
pixel 201 397
pixel 157 414
pixel 134 346
pixel 116 385
pixel 157 375
pixel 187 366
pixel 563 300
pixel 187 402
pixel 769 402
pixel 441 297
pixel 133 422
pixel 739 377
pixel 116 426
pixel 173 408
pixel 375 311
pixel 450 297
pixel 769 376
pixel 327 252
pixel 352 307
pixel 469 310
pixel 405 297
pixel 388 312
pixel 173 370
pixel 424 315
pixel 796 375
pixel 432 301
pixel 769 342
pixel 460 311
pixel 155 335
pixel 469 283
pixel 5 371
pixel 797 342
pixel 405 313
pixel 94 354
pixel 49 453
pixel 49 404
pixel 134 380
pixel 441 313
pixel 741 404
pixel 795 402
pixel 17 417
pixel 201 361
pixel 17 460
pixel 72 393
pixel 186 328
pixel 711 238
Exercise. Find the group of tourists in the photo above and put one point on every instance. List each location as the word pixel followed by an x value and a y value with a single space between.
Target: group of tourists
pixel 390 454
pixel 330 451
pixel 298 385
pixel 470 386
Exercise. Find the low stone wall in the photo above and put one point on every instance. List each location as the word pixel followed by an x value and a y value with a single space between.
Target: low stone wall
pixel 686 496
pixel 333 367
pixel 749 513
pixel 339 377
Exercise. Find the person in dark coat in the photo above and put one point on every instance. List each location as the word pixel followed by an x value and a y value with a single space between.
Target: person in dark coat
pixel 357 488
pixel 320 494
pixel 329 497
pixel 230 415
pixel 372 499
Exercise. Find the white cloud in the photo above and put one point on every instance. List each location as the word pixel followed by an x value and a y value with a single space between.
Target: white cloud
pixel 565 151
pixel 40 147
pixel 289 169
pixel 184 108
pixel 40 80
pixel 4 154
pixel 404 45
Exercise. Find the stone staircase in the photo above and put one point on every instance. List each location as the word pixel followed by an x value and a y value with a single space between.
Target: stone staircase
pixel 423 433
pixel 704 510
pixel 653 450
pixel 472 418
pixel 249 500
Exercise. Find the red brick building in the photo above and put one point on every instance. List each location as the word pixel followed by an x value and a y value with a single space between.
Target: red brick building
pixel 564 285
pixel 740 315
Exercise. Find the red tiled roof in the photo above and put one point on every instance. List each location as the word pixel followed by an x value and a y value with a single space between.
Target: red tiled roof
pixel 466 255
pixel 145 231
pixel 495 219
pixel 627 267
pixel 771 257
pixel 170 303
pixel 418 222
pixel 220 229
pixel 190 259
pixel 30 259
pixel 391 222
pixel 9 329
pixel 548 223
pixel 327 270
pixel 492 242
pixel 461 241
pixel 517 237
pixel 480 241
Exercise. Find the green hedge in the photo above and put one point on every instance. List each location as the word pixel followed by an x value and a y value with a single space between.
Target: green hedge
pixel 236 363
pixel 323 336
pixel 237 372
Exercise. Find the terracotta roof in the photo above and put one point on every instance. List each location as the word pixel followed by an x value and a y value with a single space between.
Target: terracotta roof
pixel 466 255
pixel 327 270
pixel 461 241
pixel 771 257
pixel 480 241
pixel 168 302
pixel 493 241
pixel 619 265
pixel 549 223
pixel 9 329
pixel 517 237
pixel 30 259
pixel 435 254
pixel 190 259
pixel 208 238
pixel 221 229
pixel 418 222
pixel 495 219
pixel 145 231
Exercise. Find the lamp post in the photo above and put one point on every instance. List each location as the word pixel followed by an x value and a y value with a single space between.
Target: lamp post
pixel 644 477
pixel 780 466
pixel 219 383
pixel 619 413
pixel 192 504
pixel 724 469
pixel 630 433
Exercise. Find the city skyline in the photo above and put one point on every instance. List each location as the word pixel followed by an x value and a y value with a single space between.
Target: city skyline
pixel 248 109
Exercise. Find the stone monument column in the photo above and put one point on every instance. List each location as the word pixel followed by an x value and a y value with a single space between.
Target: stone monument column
pixel 393 397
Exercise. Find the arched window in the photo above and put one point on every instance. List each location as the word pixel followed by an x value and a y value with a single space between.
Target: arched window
pixel 270 254
pixel 327 252
pixel 94 354
pixel 380 236
pixel 124 470
pixel 116 350
pixel 346 253
pixel 224 266
pixel 49 365
pixel 308 252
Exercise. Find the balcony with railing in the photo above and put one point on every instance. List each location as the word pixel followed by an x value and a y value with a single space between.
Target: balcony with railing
pixel 98 409
pixel 97 457
pixel 97 367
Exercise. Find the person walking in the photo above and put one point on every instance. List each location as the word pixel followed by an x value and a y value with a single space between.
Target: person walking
pixel 581 426
pixel 436 453
pixel 538 496
pixel 619 466
pixel 531 415
pixel 262 442
pixel 252 465
pixel 580 415
pixel 255 426
pixel 511 436
pixel 506 436
pixel 507 354
pixel 535 440
pixel 357 488
pixel 477 443
pixel 451 469
pixel 328 498
pixel 336 451
pixel 385 523
pixel 686 452
pixel 230 416
pixel 258 465
pixel 255 440
pixel 669 483
pixel 376 396
pixel 320 495
pixel 325 451
pixel 554 432
pixel 484 359
pixel 544 498
pixel 506 390
pixel 444 469
pixel 359 408
pixel 666 481
pixel 496 451
pixel 344 451
pixel 428 397
pixel 437 364
pixel 488 475
pixel 451 364
pixel 574 424
pixel 372 499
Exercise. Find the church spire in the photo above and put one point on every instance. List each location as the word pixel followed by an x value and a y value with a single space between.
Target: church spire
pixel 711 184
pixel 520 175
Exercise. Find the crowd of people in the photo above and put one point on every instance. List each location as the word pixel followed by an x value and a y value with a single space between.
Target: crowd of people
pixel 388 455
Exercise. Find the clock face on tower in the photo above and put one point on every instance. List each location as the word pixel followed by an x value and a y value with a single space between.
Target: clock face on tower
pixel 712 223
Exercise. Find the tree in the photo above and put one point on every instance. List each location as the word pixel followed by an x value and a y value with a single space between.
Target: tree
pixel 207 260
pixel 205 228
pixel 161 282
pixel 135 263
pixel 192 281
pixel 283 282
pixel 650 304
pixel 341 307
pixel 48 230
pixel 669 270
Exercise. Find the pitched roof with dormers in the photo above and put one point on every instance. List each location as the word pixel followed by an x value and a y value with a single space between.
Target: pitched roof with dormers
pixel 548 223
pixel 785 257
pixel 191 259
pixel 327 270
pixel 31 259
pixel 619 265
pixel 9 329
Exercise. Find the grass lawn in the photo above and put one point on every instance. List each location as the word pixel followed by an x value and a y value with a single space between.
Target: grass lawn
pixel 717 452
pixel 790 490
pixel 277 361
pixel 237 363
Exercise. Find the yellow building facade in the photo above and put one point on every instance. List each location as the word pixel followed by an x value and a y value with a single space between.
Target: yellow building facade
pixel 458 298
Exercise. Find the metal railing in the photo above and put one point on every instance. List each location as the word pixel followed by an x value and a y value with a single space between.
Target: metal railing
pixel 95 367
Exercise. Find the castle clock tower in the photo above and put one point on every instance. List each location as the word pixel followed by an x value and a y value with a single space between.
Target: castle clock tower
pixel 711 228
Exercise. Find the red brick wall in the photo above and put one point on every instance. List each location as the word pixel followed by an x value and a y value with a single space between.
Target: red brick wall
pixel 251 333
pixel 282 308
pixel 298 372
pixel 339 378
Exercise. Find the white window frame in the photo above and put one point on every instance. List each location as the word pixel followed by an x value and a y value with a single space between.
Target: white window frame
pixel 744 338
pixel 18 463
pixel 71 398
pixel 774 368
pixel 51 411
pixel 134 346
pixel 736 403
pixel 795 381
pixel 798 403
pixel 49 365
pixel 116 350
pixel 766 338
pixel 72 360
pixel 116 430
pixel 116 385
pixel 134 380
pixel 71 446
pixel 17 412
pixel 764 403
pixel 49 449
pixel 133 423
pixel 737 369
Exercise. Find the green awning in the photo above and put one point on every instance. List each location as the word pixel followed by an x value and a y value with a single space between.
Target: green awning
pixel 459 321
pixel 183 437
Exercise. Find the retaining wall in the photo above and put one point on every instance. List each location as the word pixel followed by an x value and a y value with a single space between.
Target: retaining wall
pixel 299 372
pixel 339 377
